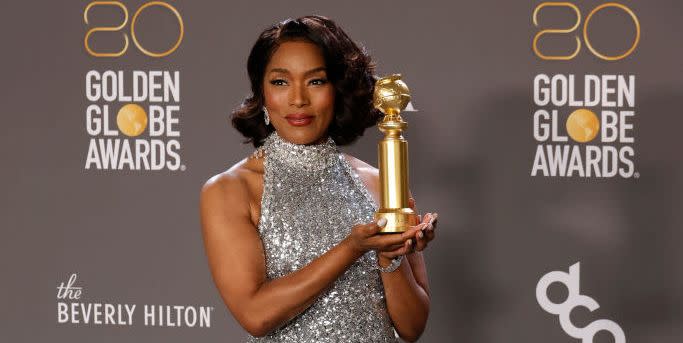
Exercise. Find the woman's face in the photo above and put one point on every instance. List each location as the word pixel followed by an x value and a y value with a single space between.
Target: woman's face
pixel 298 95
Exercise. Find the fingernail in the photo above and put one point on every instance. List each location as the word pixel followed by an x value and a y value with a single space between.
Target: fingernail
pixel 420 234
pixel 381 222
pixel 410 242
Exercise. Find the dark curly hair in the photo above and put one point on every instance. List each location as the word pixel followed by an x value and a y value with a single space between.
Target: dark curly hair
pixel 349 68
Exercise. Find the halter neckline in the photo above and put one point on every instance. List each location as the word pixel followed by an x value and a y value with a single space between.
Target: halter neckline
pixel 300 156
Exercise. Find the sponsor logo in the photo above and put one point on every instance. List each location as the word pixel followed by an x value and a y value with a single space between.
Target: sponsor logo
pixel 71 309
pixel 574 299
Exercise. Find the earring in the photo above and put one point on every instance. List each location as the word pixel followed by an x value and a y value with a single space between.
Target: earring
pixel 266 116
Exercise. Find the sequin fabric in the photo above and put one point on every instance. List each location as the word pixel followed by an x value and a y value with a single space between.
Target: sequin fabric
pixel 311 199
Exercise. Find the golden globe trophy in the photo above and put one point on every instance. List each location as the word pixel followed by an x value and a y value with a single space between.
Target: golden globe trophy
pixel 391 96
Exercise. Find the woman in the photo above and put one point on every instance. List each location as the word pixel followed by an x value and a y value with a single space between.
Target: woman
pixel 288 231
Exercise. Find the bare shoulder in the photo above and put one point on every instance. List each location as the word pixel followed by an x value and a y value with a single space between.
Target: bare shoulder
pixel 360 165
pixel 362 168
pixel 235 186
pixel 229 179
pixel 367 173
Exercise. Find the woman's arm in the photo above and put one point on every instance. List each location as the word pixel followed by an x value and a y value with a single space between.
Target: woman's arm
pixel 236 259
pixel 407 294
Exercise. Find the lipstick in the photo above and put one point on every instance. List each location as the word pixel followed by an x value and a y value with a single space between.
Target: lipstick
pixel 299 119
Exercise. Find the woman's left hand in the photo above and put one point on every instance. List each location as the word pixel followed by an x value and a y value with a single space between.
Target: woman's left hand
pixel 424 235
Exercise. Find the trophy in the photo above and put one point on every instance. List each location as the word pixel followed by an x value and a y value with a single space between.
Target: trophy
pixel 391 96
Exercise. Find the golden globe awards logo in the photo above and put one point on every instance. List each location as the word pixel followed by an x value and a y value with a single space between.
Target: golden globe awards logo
pixel 583 124
pixel 124 135
pixel 601 145
pixel 133 117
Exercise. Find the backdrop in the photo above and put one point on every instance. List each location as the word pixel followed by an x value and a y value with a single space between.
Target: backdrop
pixel 544 135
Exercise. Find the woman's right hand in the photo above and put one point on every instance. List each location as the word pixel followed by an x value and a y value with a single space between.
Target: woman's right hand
pixel 366 237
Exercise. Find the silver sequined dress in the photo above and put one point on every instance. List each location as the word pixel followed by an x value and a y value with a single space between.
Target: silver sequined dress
pixel 311 200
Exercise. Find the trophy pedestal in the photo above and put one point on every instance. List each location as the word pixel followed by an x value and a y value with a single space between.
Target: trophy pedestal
pixel 398 220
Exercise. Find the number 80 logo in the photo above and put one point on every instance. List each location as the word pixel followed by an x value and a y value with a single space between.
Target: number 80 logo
pixel 132 28
pixel 585 31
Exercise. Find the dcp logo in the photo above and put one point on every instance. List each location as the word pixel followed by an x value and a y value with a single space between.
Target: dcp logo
pixel 574 300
